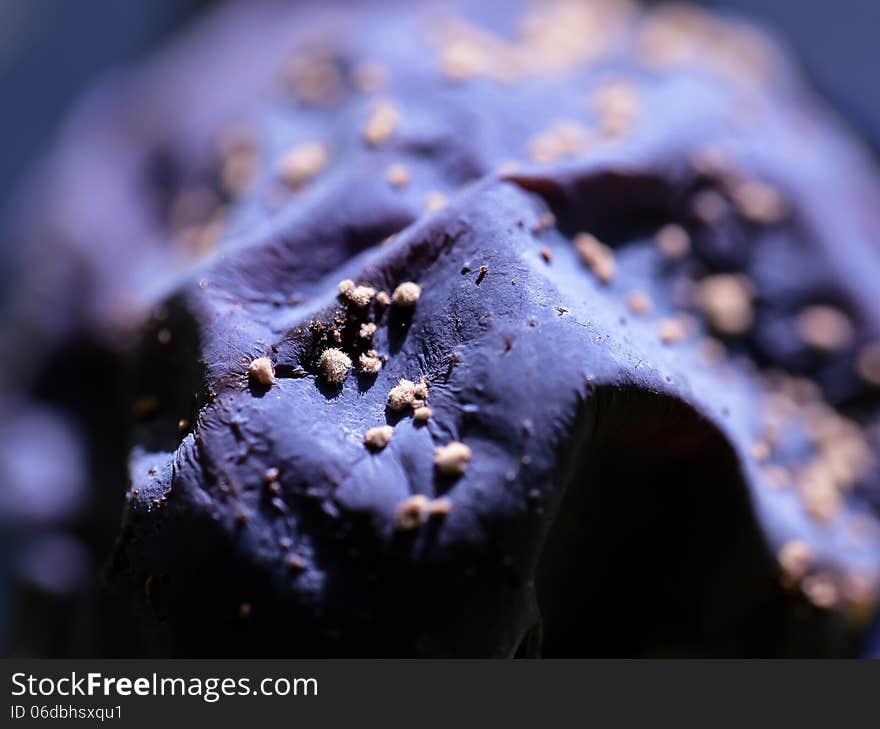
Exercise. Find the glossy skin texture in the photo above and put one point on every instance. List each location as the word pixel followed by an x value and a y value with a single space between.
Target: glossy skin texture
pixel 614 489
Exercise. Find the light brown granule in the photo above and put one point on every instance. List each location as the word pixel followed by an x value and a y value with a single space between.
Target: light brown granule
pixel 794 559
pixel 544 222
pixel 261 371
pixel 420 389
pixel 370 363
pixel 439 507
pixel 712 351
pixel 821 590
pixel 402 395
pixel 435 201
pixel 422 414
pixel 271 475
pixel 710 161
pixel 672 330
pixel 821 498
pixel 776 477
pixel 672 241
pixel 367 330
pixel 383 299
pixel 302 163
pixel 824 327
pixel 411 513
pixel 379 437
pixel 596 255
pixel 406 294
pixel 562 139
pixel 639 303
pixel 461 60
pixel 239 167
pixel 415 510
pixel 759 202
pixel 370 76
pixel 868 363
pixel 761 451
pixel 360 296
pixel 397 175
pixel 726 299
pixel 334 364
pixel 314 78
pixel 382 123
pixel 617 106
pixel 546 254
pixel 709 206
pixel 452 459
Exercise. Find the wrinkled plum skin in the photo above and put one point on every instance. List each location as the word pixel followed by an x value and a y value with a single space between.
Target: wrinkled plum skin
pixel 610 507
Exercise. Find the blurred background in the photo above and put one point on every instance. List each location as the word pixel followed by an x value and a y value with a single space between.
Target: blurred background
pixel 52 50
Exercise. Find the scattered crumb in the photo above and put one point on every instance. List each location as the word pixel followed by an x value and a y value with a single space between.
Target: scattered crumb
pixel 759 202
pixel 296 563
pixel 334 364
pixel 397 175
pixel 383 299
pixel 314 78
pixel 302 163
pixel 617 106
pixel 596 255
pixel 546 254
pixel 434 201
pixel 370 76
pixel 422 414
pixel 561 139
pixel 407 294
pixel 382 123
pixel 271 475
pixel 821 590
pixel 261 371
pixel 776 477
pixel 415 510
pixel 245 610
pixel 726 299
pixel 367 330
pixel 452 459
pixel 710 161
pixel 370 363
pixel 360 296
pixel 868 363
pixel 239 160
pixel 709 206
pixel 379 437
pixel 672 330
pixel 402 395
pixel 761 451
pixel 439 507
pixel 411 513
pixel 824 327
pixel 545 221
pixel 672 241
pixel 712 351
pixel 820 495
pixel 639 303
pixel 461 60
pixel 794 558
